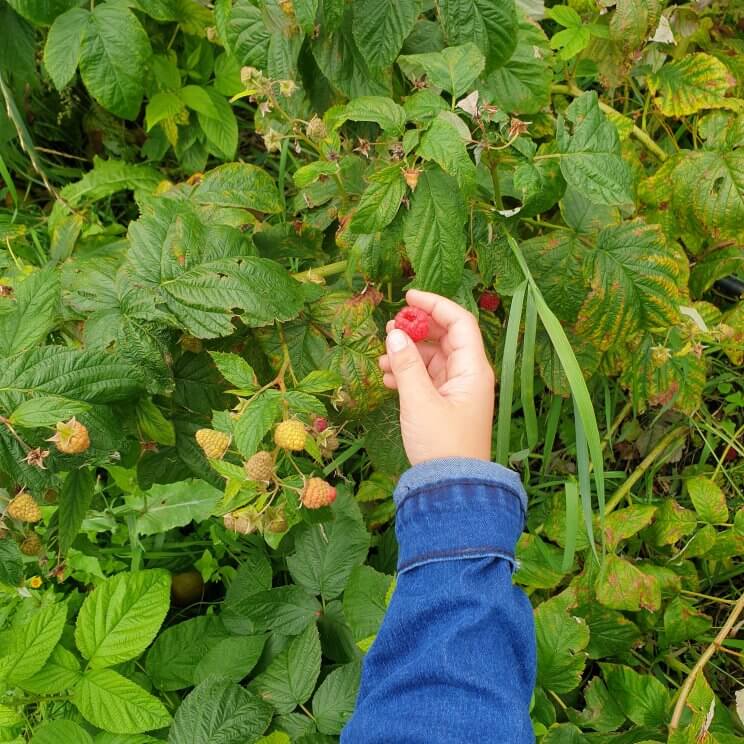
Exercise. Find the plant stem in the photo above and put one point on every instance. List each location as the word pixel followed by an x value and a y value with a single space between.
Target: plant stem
pixel 321 271
pixel 703 660
pixel 646 463
pixel 637 132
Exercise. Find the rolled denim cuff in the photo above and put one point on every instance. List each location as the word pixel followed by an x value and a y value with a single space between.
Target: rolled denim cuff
pixel 455 508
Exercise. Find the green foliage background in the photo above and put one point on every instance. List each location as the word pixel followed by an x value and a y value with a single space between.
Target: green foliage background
pixel 209 212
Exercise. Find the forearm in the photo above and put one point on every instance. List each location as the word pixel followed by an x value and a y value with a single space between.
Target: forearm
pixel 455 657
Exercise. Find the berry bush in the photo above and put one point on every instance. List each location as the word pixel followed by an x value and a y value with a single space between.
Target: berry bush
pixel 209 213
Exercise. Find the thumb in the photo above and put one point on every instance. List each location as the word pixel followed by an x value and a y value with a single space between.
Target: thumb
pixel 408 368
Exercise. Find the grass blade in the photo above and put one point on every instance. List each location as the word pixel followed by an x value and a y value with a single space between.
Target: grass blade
pixel 506 384
pixel 585 483
pixel 527 379
pixel 5 173
pixel 572 523
pixel 551 429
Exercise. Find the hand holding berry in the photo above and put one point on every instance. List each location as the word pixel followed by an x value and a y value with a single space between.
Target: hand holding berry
pixel 445 383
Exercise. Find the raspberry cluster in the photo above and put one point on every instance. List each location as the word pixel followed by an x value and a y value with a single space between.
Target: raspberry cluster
pixel 414 322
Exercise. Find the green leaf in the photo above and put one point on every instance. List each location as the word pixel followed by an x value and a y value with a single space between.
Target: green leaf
pixel 601 713
pixel 74 501
pixel 173 659
pixel 114 52
pixel 708 499
pixel 319 381
pixel 290 679
pixel 61 732
pixel 641 697
pixel 255 422
pixel 253 576
pixel 220 712
pixel 170 505
pixel 220 126
pixel 692 83
pixel 33 637
pixel 285 609
pixel 116 704
pixel 380 27
pixel 570 41
pixel 61 672
pixel 325 556
pixel 153 424
pixel 334 700
pixel 443 143
pixel 245 33
pixel 453 69
pixel 234 369
pixel 27 318
pixel 387 114
pixel 540 563
pixel 163 105
pixel 46 411
pixel 41 12
pixel 672 523
pixel 591 159
pixel 561 640
pixel 11 562
pixel 434 236
pixel 624 523
pixel 62 48
pixel 238 186
pixel 622 586
pixel 683 622
pixel 635 281
pixel 380 201
pixel 233 658
pixel 491 24
pixel 364 601
pixel 121 616
pixel 522 83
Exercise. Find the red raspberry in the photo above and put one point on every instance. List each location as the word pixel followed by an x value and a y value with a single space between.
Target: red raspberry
pixel 320 424
pixel 489 301
pixel 414 322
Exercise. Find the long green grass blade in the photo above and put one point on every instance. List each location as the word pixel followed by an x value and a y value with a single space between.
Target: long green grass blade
pixel 551 429
pixel 585 482
pixel 572 523
pixel 506 384
pixel 527 379
pixel 577 383
pixel 5 173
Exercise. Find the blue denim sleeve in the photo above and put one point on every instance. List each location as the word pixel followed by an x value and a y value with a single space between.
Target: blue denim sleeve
pixel 454 660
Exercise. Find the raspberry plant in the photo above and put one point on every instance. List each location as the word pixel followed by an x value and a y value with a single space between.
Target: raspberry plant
pixel 208 215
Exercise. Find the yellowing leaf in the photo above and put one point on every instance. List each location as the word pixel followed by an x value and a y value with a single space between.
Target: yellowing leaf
pixel 693 83
pixel 622 586
pixel 708 499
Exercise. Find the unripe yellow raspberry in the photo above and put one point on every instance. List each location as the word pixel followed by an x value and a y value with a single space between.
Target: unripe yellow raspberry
pixel 71 438
pixel 31 545
pixel 260 467
pixel 318 493
pixel 214 444
pixel 244 521
pixel 275 520
pixel 24 508
pixel 290 435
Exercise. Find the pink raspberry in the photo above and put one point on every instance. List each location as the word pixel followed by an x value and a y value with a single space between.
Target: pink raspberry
pixel 320 424
pixel 489 301
pixel 414 322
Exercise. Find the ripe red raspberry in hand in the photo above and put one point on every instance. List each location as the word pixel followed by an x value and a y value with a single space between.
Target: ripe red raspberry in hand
pixel 489 301
pixel 414 322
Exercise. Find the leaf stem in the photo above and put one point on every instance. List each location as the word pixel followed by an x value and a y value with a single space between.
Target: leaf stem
pixel 320 272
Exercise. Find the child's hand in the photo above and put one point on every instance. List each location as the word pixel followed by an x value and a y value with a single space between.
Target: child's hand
pixel 445 383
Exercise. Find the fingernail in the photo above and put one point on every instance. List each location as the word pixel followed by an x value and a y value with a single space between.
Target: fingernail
pixel 396 340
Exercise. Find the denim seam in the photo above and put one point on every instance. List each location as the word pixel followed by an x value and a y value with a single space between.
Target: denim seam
pixel 465 554
pixel 462 482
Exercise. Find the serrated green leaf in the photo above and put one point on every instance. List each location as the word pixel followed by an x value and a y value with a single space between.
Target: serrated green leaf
pixel 692 83
pixel 74 501
pixel 45 411
pixel 290 679
pixel 591 160
pixel 28 316
pixel 443 143
pixel 641 697
pixel 453 69
pixel 491 24
pixel 334 700
pixel 683 622
pixel 238 186
pixel 285 609
pixel 255 421
pixel 634 279
pixel 116 704
pixel 61 732
pixel 61 672
pixel 62 48
pixel 387 114
pixel 172 660
pixel 380 202
pixel 33 637
pixel 380 27
pixel 622 586
pixel 220 712
pixel 708 499
pixel 121 616
pixel 41 12
pixel 245 34
pixel 11 562
pixel 434 236
pixel 114 51
pixel 231 657
pixel 561 640
pixel 364 601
